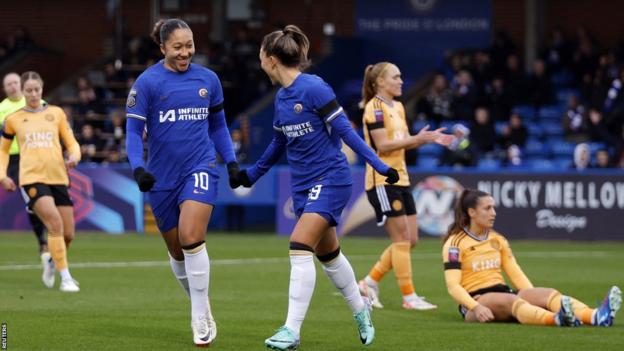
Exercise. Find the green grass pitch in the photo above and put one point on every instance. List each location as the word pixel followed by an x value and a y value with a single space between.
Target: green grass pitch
pixel 136 304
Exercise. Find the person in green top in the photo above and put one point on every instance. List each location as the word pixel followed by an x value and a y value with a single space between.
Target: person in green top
pixel 13 102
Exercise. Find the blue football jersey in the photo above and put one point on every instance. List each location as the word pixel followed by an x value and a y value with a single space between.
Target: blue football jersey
pixel 303 111
pixel 175 107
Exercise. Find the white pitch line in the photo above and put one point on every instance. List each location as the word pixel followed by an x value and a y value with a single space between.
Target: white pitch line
pixel 240 261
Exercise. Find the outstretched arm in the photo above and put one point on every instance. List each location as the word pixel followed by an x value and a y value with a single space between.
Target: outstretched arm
pixel 270 156
pixel 341 125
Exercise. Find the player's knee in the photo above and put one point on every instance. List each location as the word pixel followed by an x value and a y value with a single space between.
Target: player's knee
pixel 413 242
pixel 69 237
pixel 297 246
pixel 54 225
pixel 327 258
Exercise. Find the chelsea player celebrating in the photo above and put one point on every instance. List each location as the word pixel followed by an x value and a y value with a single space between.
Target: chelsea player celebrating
pixel 309 123
pixel 180 107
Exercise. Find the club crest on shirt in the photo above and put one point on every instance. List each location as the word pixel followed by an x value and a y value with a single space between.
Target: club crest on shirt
pixel 131 98
pixel 453 254
pixel 49 117
pixel 298 108
pixel 203 92
pixel 32 192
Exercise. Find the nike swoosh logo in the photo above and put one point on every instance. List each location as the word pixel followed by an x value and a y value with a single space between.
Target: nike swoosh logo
pixel 206 338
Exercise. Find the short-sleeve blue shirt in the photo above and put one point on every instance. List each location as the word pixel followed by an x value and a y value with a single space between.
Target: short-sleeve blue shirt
pixel 175 107
pixel 313 152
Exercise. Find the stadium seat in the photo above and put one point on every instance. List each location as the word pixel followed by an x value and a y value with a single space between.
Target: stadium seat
pixel 562 78
pixel 561 148
pixel 427 162
pixel 430 150
pixel 489 164
pixel 535 148
pixel 551 112
pixel 552 128
pixel 527 112
pixel 563 95
pixel 420 124
pixel 595 146
pixel 540 164
pixel 535 131
pixel 562 163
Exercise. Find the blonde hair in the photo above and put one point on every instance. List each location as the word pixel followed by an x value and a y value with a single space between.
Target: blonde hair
pixel 371 73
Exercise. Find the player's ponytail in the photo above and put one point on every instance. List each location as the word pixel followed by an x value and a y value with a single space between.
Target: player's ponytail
pixel 163 29
pixel 468 199
pixel 26 76
pixel 289 45
pixel 371 73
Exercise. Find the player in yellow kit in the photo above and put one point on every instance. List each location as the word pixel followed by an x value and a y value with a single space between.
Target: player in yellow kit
pixel 475 256
pixel 386 132
pixel 39 129
pixel 14 101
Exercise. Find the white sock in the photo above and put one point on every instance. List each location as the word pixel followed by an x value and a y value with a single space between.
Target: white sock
pixel 340 272
pixel 302 281
pixel 197 267
pixel 179 271
pixel 65 274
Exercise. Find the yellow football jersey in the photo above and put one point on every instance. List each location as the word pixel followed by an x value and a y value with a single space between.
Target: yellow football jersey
pixel 390 115
pixel 475 264
pixel 39 134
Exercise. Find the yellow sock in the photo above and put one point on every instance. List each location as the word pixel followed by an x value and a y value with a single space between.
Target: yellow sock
pixel 56 246
pixel 383 266
pixel 526 313
pixel 581 311
pixel 402 264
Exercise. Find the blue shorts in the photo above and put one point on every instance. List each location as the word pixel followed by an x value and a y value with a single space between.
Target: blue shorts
pixel 326 200
pixel 200 186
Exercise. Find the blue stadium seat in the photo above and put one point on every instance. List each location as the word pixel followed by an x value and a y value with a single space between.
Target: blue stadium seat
pixel 540 164
pixel 420 124
pixel 595 146
pixel 561 147
pixel 562 163
pixel 489 164
pixel 535 148
pixel 427 162
pixel 535 131
pixel 430 150
pixel 563 95
pixel 552 128
pixel 527 112
pixel 551 112
pixel 562 78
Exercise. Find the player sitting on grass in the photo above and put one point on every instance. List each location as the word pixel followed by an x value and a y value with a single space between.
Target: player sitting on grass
pixel 474 257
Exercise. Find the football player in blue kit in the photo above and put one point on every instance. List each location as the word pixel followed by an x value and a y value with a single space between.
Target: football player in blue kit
pixel 179 105
pixel 310 125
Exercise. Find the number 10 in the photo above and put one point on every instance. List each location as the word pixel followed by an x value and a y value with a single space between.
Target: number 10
pixel 201 180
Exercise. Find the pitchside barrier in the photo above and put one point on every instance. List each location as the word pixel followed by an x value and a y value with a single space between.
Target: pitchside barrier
pixel 585 205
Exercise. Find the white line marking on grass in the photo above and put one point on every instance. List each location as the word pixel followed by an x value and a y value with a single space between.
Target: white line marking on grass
pixel 241 261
